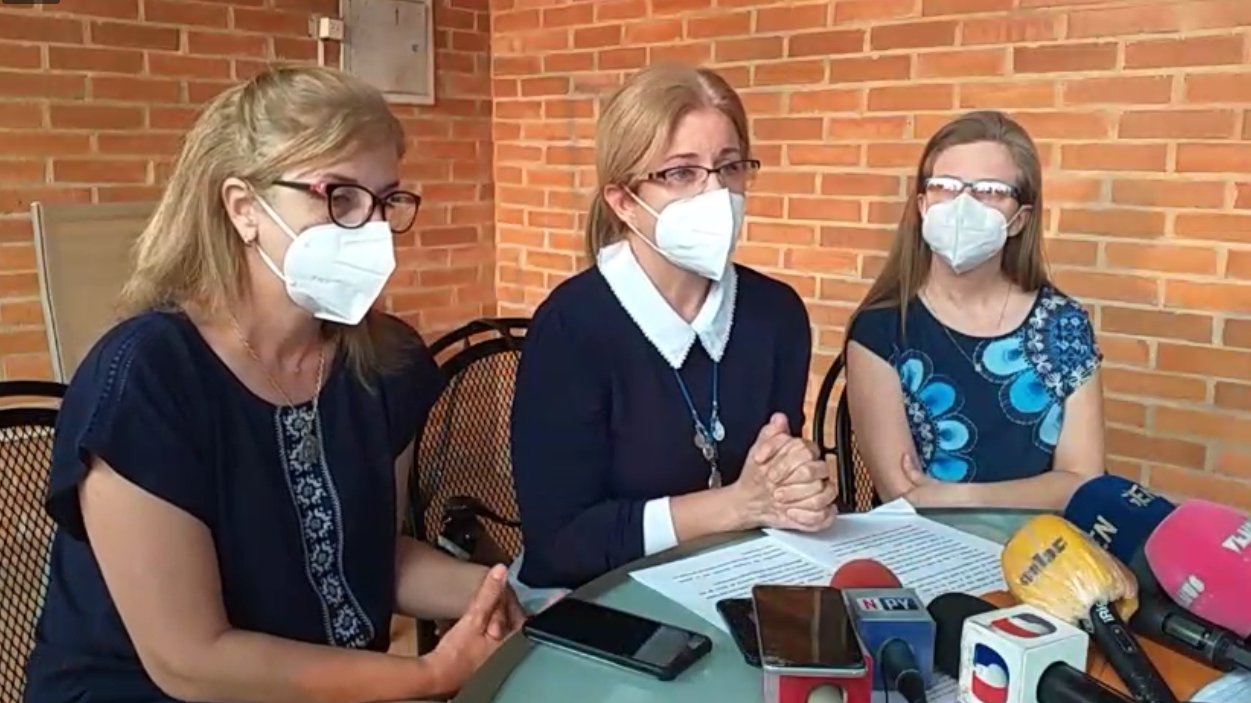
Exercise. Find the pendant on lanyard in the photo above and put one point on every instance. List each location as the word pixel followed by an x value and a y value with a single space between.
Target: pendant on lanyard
pixel 707 436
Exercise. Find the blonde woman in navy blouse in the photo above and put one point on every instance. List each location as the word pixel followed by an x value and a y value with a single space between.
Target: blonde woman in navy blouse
pixel 661 392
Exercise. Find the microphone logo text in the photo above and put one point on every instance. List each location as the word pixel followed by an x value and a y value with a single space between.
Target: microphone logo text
pixel 889 603
pixel 1190 591
pixel 1041 559
pixel 1239 540
pixel 1103 531
pixel 1138 496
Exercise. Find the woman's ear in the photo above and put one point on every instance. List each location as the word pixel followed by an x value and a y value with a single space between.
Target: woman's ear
pixel 240 202
pixel 620 201
pixel 1020 220
pixel 921 205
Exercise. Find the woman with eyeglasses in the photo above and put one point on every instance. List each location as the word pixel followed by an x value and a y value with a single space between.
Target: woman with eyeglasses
pixel 660 395
pixel 230 462
pixel 973 380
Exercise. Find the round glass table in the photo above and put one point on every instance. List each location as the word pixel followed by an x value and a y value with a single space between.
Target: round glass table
pixel 522 672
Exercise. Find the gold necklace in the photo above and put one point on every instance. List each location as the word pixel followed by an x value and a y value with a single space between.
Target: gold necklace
pixel 321 366
pixel 977 365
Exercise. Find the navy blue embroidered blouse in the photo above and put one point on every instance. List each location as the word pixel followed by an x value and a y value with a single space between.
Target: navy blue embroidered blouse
pixel 985 409
pixel 305 540
pixel 600 426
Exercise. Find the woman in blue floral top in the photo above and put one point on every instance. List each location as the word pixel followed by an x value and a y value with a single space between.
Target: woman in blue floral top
pixel 972 380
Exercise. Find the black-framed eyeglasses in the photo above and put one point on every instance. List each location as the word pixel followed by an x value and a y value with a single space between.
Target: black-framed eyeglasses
pixel 734 175
pixel 986 190
pixel 351 205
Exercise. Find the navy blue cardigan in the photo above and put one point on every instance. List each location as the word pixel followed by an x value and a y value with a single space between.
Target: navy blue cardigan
pixel 599 424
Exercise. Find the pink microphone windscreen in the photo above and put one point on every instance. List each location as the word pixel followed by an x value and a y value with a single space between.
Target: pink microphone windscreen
pixel 864 573
pixel 1201 554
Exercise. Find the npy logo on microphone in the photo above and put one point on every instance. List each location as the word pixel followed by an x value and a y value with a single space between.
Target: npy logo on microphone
pixel 888 604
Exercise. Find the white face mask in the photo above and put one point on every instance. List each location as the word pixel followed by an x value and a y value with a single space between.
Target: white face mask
pixel 964 232
pixel 698 233
pixel 334 272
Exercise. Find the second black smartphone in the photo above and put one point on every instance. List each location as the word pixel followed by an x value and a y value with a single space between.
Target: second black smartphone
pixel 740 615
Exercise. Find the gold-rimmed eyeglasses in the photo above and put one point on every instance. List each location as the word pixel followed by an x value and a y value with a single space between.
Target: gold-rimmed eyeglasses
pixel 686 178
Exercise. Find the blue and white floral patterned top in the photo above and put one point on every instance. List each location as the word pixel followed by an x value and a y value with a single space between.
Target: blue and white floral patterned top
pixel 985 409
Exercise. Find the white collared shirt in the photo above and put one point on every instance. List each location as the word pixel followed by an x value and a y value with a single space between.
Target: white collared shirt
pixel 673 337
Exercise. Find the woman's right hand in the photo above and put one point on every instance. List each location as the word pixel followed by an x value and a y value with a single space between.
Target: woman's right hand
pixel 751 493
pixel 471 640
pixel 777 466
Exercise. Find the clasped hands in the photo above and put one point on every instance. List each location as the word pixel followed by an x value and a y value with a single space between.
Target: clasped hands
pixel 784 482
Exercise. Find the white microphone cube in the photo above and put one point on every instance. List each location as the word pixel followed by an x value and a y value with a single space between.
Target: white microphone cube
pixel 1003 653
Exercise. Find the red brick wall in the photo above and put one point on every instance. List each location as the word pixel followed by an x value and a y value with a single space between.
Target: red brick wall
pixel 95 95
pixel 1141 109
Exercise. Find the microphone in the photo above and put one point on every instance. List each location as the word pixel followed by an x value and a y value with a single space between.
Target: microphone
pixel 1120 515
pixel 1058 681
pixel 1117 513
pixel 1201 556
pixel 896 629
pixel 1160 619
pixel 1052 565
pixel 1184 674
pixel 864 573
pixel 1005 652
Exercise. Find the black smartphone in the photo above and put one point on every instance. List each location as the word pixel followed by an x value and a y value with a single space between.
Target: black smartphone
pixel 806 631
pixel 739 614
pixel 619 638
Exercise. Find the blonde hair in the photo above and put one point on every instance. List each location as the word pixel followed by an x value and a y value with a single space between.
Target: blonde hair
pixel 636 125
pixel 908 265
pixel 189 255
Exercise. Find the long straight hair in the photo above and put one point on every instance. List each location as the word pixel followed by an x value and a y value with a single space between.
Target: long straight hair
pixel 908 265
pixel 189 255
pixel 636 125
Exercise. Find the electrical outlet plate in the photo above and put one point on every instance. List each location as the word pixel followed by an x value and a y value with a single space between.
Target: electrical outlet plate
pixel 329 29
pixel 390 44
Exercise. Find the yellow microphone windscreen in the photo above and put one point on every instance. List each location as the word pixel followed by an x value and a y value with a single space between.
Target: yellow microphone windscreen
pixel 1052 565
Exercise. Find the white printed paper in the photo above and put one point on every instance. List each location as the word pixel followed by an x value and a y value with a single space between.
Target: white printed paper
pixel 898 506
pixel 700 581
pixel 927 556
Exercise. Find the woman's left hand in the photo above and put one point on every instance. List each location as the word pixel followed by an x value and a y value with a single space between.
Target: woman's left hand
pixel 508 616
pixel 924 486
pixel 914 474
